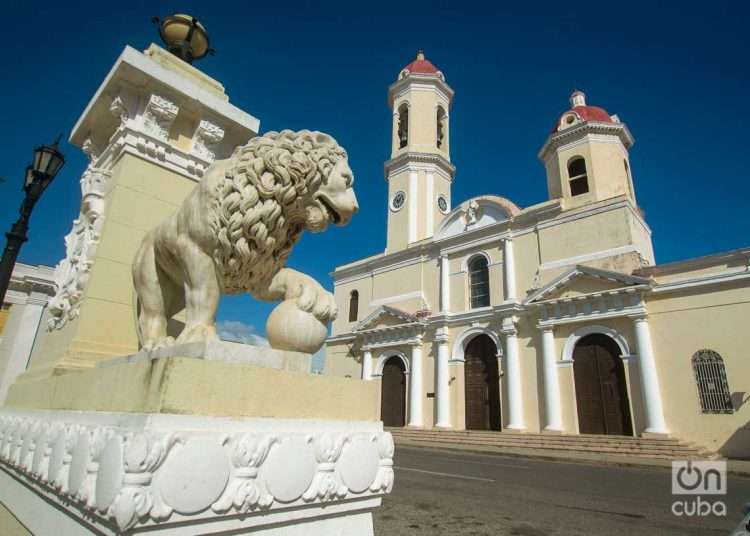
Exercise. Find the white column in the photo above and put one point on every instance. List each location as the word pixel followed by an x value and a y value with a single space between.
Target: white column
pixel 413 201
pixel 513 376
pixel 445 285
pixel 430 206
pixel 551 383
pixel 655 423
pixel 509 269
pixel 442 381
pixel 415 387
pixel 367 365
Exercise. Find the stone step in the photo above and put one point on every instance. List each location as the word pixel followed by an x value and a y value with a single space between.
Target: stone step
pixel 660 448
pixel 491 433
pixel 549 439
pixel 671 454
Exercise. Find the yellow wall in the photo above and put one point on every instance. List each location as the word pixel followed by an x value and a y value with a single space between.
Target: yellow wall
pixel 142 196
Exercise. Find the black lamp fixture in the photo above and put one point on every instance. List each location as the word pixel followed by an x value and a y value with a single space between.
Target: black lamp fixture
pixel 47 162
pixel 184 36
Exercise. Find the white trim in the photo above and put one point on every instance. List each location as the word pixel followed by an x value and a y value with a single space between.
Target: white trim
pixel 431 204
pixel 465 261
pixel 385 356
pixel 398 298
pixel 588 257
pixel 412 199
pixel 459 346
pixel 712 279
pixel 179 83
pixel 625 311
pixel 570 343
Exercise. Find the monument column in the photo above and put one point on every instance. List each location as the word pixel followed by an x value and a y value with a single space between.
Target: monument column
pixel 551 384
pixel 442 381
pixel 655 423
pixel 513 375
pixel 152 128
pixel 415 386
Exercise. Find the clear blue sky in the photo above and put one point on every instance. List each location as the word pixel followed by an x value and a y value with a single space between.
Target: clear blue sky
pixel 676 74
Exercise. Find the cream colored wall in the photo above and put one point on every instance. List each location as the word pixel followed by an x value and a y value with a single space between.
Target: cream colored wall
pixel 422 121
pixel 682 323
pixel 398 221
pixel 343 359
pixel 607 176
pixel 142 196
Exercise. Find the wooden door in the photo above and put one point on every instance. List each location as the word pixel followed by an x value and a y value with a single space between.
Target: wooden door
pixel 601 391
pixel 481 385
pixel 393 395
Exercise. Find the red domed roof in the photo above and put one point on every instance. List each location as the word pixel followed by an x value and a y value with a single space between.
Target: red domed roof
pixel 421 65
pixel 583 112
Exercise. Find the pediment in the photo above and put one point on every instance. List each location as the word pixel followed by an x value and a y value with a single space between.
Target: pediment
pixel 584 280
pixel 476 213
pixel 385 316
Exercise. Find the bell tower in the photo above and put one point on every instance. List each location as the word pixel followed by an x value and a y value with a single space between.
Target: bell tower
pixel 419 172
pixel 586 156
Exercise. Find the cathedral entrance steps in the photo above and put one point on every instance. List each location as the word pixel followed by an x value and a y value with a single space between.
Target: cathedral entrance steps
pixel 601 445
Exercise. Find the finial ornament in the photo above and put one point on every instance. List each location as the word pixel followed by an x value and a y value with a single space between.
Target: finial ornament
pixel 578 98
pixel 420 55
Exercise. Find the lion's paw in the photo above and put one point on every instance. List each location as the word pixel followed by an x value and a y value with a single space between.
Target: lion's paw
pixel 197 333
pixel 318 301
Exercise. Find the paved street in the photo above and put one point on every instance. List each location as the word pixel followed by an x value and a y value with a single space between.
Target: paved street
pixel 461 493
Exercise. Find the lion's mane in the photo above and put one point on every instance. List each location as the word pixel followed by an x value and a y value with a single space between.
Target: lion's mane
pixel 260 204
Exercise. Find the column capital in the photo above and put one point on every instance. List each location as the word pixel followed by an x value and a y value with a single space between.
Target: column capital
pixel 508 327
pixel 546 329
pixel 639 317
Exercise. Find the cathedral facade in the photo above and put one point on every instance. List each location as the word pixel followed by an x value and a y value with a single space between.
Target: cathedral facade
pixel 550 318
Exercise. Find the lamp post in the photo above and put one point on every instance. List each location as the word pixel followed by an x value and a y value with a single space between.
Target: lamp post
pixel 48 161
pixel 184 36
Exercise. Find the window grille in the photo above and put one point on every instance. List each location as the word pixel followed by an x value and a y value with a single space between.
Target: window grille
pixel 479 279
pixel 711 378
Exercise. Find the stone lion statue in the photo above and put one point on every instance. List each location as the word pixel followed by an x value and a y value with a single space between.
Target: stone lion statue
pixel 235 231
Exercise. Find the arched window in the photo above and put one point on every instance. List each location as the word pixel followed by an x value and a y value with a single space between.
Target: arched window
pixel 479 282
pixel 441 127
pixel 711 378
pixel 403 125
pixel 579 181
pixel 353 305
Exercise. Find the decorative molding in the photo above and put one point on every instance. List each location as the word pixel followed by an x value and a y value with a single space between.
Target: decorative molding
pixel 137 472
pixel 578 259
pixel 572 340
pixel 72 272
pixel 158 116
pixel 206 136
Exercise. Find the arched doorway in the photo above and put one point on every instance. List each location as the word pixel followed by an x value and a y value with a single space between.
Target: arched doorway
pixel 481 384
pixel 601 391
pixel 393 394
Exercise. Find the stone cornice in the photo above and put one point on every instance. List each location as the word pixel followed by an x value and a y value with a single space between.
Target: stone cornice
pixel 417 80
pixel 561 138
pixel 404 159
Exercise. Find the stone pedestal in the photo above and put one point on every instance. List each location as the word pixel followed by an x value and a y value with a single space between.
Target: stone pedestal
pixel 75 473
pixel 216 350
pixel 169 444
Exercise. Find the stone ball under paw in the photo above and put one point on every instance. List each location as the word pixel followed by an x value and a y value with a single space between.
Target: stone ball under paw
pixel 290 328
